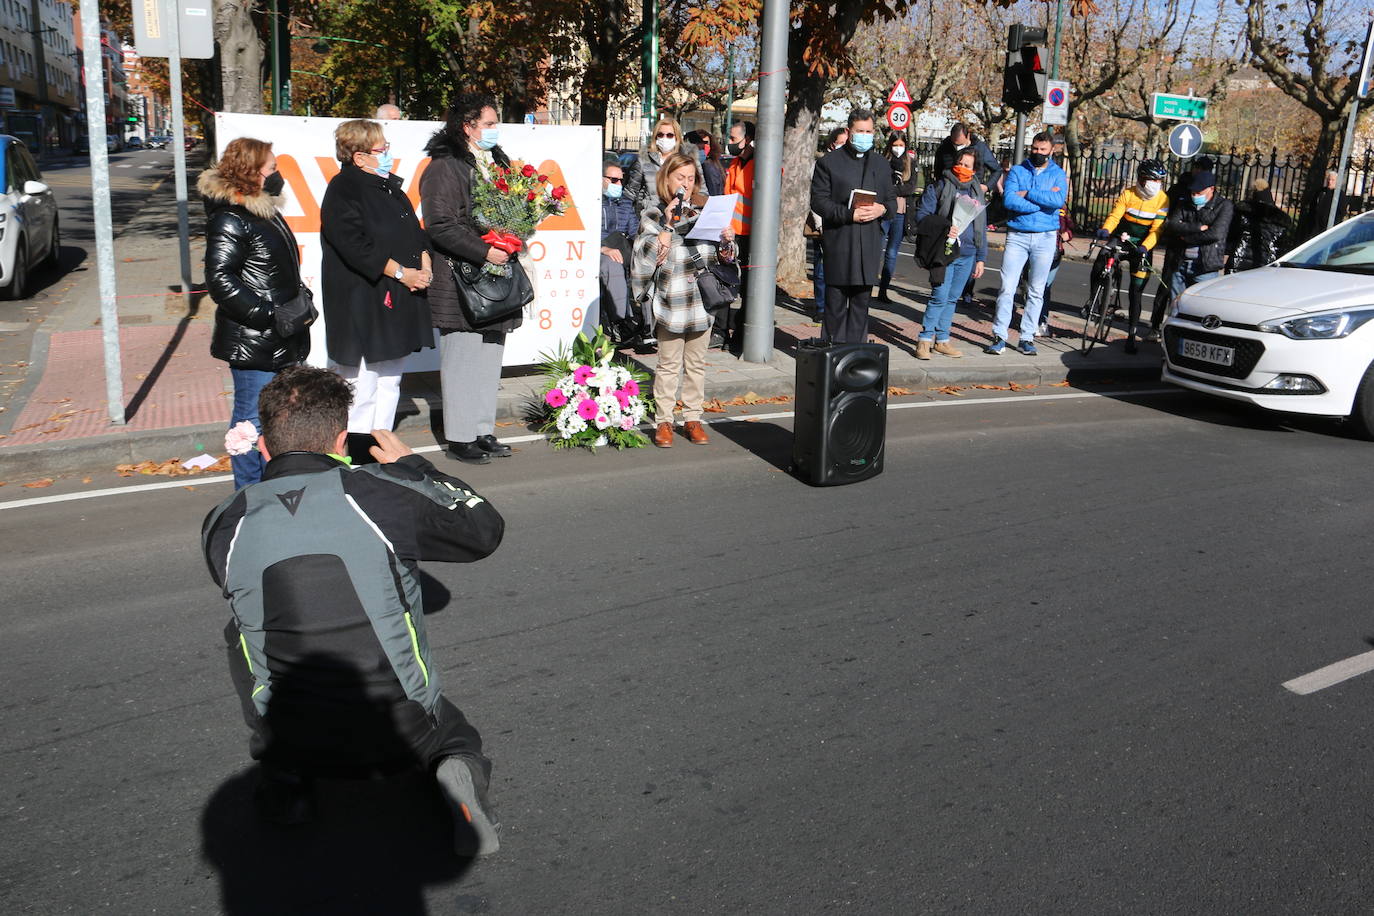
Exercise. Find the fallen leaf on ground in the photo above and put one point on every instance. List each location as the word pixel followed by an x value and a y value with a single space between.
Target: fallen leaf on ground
pixel 992 387
pixel 894 392
pixel 38 484
pixel 505 423
pixel 1015 387
pixel 713 406
pixel 750 397
pixel 1063 384
pixel 950 389
pixel 169 468
pixel 85 480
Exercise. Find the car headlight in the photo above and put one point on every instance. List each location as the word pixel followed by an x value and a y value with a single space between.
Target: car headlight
pixel 1328 326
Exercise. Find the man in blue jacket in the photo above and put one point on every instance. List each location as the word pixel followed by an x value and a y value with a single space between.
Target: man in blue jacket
pixel 619 225
pixel 1034 192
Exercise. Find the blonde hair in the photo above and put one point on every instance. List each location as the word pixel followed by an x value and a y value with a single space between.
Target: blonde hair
pixel 670 165
pixel 666 121
pixel 1259 184
pixel 358 136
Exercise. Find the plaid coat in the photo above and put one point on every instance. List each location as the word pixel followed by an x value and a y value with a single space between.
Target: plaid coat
pixel 671 290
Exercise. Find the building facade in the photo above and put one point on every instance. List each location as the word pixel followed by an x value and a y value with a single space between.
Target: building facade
pixel 40 93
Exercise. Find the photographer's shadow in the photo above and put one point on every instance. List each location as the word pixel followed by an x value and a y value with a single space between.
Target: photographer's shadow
pixel 379 834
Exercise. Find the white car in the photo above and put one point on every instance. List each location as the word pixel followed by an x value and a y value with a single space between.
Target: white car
pixel 28 219
pixel 1295 336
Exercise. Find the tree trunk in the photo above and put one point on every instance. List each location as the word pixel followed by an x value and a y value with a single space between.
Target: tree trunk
pixel 241 56
pixel 803 114
pixel 1328 148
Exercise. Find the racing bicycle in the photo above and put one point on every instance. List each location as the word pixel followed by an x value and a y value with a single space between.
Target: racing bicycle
pixel 1104 303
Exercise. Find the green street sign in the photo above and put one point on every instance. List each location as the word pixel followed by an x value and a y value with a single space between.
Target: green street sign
pixel 1178 107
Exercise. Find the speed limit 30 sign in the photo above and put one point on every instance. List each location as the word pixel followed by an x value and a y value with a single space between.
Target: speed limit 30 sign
pixel 898 117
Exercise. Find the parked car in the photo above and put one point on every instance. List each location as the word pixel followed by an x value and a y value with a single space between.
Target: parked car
pixel 133 143
pixel 111 143
pixel 158 142
pixel 1295 336
pixel 28 219
pixel 191 143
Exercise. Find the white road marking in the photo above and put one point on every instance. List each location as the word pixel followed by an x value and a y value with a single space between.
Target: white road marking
pixel 1332 674
pixel 536 437
pixel 124 165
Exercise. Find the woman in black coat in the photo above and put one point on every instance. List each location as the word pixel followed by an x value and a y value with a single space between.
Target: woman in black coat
pixel 375 270
pixel 251 265
pixel 1259 230
pixel 465 150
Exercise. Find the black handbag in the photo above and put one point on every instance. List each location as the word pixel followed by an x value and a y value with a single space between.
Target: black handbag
pixel 488 298
pixel 719 286
pixel 295 315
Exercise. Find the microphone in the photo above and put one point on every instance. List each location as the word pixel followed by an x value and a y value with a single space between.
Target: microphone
pixel 681 198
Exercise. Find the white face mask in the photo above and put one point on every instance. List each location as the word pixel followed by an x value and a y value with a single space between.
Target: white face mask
pixel 1152 188
pixel 666 144
pixel 898 151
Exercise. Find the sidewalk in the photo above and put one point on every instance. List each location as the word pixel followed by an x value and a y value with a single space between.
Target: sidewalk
pixel 177 398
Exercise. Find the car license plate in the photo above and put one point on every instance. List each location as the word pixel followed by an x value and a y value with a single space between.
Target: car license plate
pixel 1207 353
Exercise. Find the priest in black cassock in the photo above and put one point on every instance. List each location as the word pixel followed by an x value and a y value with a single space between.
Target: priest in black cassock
pixel 852 233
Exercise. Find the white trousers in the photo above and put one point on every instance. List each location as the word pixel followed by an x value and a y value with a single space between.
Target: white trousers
pixel 376 392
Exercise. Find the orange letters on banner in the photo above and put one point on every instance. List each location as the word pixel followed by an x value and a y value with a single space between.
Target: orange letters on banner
pixel 309 221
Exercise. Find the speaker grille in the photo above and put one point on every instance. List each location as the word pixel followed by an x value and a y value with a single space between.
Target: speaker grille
pixel 856 434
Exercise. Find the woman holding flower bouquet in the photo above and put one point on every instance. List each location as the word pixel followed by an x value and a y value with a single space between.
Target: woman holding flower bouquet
pixel 663 274
pixel 463 152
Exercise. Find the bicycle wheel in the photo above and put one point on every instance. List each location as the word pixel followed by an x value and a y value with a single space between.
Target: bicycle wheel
pixel 1092 318
pixel 1110 302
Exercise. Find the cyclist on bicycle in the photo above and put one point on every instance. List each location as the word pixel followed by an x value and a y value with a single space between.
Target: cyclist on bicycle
pixel 1137 217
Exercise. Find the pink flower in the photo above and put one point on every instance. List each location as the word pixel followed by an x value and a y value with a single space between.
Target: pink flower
pixel 623 397
pixel 241 438
pixel 555 397
pixel 631 388
pixel 581 374
pixel 627 423
pixel 587 409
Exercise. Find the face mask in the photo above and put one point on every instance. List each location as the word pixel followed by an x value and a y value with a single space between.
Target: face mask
pixel 1152 188
pixel 735 148
pixel 384 162
pixel 1199 200
pixel 666 144
pixel 963 173
pixel 274 183
pixel 1039 159
pixel 613 191
pixel 490 136
pixel 898 152
pixel 861 142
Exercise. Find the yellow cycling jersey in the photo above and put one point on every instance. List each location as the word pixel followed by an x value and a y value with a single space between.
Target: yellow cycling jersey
pixel 1142 217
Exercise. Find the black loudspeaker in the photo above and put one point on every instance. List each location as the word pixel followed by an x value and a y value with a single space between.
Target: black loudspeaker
pixel 841 421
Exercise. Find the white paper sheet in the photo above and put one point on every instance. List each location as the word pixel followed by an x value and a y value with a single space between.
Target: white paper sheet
pixel 715 218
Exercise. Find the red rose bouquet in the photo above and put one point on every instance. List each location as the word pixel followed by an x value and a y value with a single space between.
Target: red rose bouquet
pixel 512 205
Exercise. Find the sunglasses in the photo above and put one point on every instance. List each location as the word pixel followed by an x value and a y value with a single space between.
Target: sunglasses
pixel 662 136
pixel 613 180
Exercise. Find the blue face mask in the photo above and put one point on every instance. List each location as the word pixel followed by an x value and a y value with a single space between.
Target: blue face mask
pixel 490 136
pixel 861 142
pixel 1199 200
pixel 613 191
pixel 384 163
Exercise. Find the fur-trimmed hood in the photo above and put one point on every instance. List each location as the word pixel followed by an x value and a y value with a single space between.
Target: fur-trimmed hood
pixel 218 192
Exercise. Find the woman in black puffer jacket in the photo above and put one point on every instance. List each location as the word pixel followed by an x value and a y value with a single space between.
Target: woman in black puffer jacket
pixel 1260 231
pixel 251 265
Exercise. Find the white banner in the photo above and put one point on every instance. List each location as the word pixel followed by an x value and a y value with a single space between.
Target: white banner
pixel 563 258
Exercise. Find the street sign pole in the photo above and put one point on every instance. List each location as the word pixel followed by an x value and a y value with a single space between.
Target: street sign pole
pixel 172 14
pixel 1360 91
pixel 100 204
pixel 763 256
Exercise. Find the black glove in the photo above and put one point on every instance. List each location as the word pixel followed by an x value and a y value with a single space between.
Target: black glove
pixel 1102 235
pixel 1144 252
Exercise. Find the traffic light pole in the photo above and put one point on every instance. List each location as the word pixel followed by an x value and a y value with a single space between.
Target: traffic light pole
pixel 171 14
pixel 1018 149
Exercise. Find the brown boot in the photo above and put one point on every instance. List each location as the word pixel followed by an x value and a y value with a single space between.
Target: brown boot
pixel 663 435
pixel 948 349
pixel 922 348
pixel 696 433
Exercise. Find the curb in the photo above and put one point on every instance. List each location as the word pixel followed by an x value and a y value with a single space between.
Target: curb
pixel 102 453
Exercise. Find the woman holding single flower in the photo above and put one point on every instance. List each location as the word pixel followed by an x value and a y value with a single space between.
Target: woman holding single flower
pixel 664 272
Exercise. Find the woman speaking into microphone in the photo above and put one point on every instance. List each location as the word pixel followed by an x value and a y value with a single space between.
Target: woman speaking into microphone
pixel 663 274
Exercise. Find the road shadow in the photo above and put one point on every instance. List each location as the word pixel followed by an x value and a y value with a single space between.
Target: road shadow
pixel 768 441
pixel 165 357
pixel 1238 415
pixel 45 277
pixel 360 825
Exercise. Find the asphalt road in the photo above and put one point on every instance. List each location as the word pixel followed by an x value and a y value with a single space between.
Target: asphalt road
pixel 1034 667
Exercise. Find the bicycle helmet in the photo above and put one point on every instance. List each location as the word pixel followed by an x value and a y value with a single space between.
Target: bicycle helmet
pixel 1151 170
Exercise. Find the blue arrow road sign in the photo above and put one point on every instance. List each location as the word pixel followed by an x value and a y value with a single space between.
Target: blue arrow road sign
pixel 1185 141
